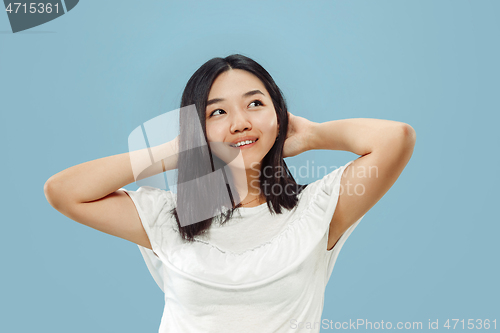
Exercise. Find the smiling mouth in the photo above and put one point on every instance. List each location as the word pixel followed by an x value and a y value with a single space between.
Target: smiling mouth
pixel 243 144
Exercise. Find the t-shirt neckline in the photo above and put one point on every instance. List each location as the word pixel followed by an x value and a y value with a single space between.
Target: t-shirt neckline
pixel 246 211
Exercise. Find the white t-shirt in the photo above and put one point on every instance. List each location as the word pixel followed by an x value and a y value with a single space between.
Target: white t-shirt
pixel 255 273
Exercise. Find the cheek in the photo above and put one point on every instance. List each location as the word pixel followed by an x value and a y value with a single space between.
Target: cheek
pixel 269 125
pixel 212 134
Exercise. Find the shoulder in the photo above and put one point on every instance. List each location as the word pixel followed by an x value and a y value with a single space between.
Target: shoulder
pixel 153 194
pixel 151 202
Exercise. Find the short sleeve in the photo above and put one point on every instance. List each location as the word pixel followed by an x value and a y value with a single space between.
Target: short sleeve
pixel 153 205
pixel 326 195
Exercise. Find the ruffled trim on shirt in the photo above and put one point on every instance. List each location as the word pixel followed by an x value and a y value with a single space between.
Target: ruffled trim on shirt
pixel 204 262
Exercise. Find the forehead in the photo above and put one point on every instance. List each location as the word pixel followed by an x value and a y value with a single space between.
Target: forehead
pixel 234 83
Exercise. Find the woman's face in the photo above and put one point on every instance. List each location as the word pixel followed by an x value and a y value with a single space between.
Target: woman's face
pixel 240 108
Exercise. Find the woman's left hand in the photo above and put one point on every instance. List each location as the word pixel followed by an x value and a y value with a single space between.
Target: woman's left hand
pixel 298 136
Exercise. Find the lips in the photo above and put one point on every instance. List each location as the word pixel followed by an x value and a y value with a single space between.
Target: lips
pixel 244 138
pixel 248 145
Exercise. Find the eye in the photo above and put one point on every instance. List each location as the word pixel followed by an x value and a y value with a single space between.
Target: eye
pixel 257 102
pixel 214 112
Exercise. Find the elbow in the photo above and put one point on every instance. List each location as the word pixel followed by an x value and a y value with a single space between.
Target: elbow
pixel 409 134
pixel 48 187
pixel 399 140
pixel 50 193
pixel 47 191
pixel 404 134
pixel 408 140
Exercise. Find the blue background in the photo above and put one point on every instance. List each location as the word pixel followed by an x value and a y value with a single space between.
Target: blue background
pixel 74 88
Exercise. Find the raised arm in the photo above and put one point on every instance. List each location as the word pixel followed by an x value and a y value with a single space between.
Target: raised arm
pixel 385 147
pixel 89 192
pixel 95 179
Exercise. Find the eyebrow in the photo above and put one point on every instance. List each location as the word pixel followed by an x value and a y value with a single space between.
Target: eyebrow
pixel 247 94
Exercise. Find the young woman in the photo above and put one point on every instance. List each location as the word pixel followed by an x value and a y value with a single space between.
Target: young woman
pixel 241 247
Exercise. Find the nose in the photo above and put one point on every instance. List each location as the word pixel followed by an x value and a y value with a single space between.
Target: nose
pixel 240 122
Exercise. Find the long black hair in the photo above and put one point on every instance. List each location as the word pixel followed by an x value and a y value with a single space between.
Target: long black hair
pixel 205 190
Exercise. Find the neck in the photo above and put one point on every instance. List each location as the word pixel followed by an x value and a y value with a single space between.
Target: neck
pixel 247 184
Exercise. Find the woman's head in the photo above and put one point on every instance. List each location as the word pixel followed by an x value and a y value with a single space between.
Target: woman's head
pixel 235 98
pixel 226 114
pixel 239 110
